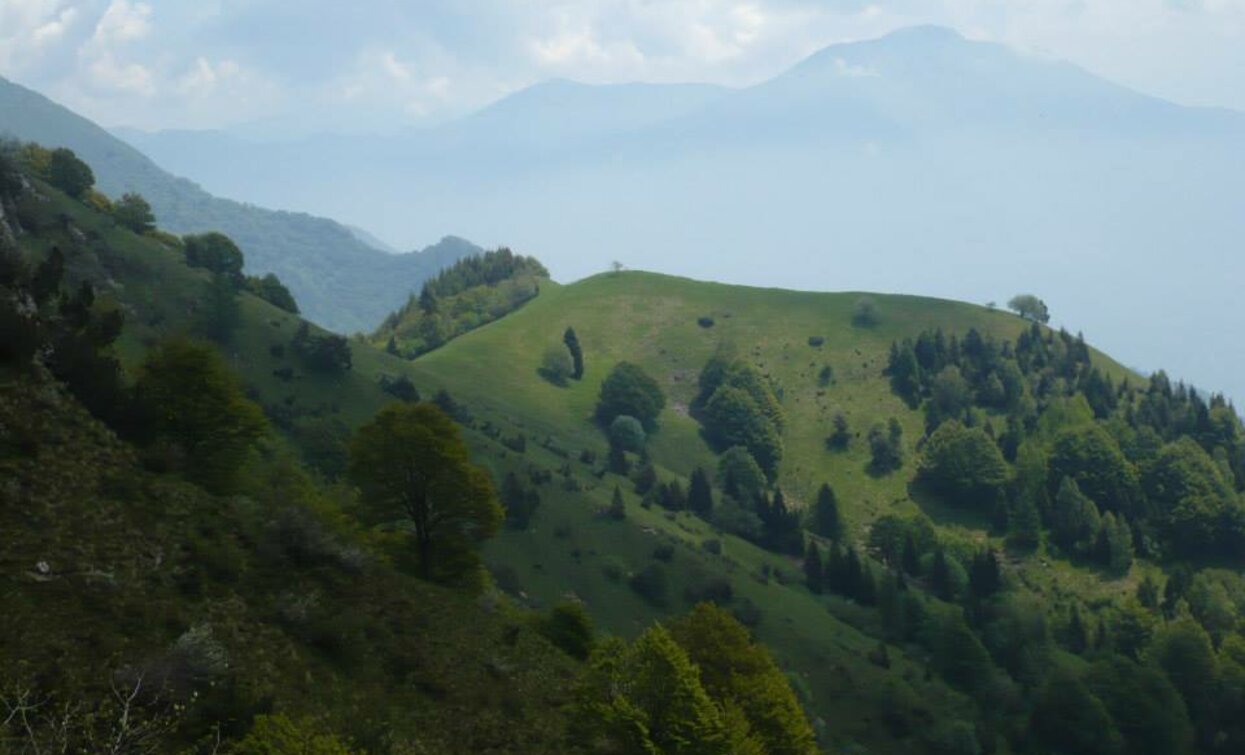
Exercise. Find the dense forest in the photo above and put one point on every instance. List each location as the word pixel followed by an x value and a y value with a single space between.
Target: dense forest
pixel 635 514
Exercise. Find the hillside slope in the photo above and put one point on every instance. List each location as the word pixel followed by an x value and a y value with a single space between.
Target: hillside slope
pixel 340 281
pixel 909 699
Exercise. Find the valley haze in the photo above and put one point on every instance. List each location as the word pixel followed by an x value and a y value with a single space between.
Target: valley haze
pixel 920 162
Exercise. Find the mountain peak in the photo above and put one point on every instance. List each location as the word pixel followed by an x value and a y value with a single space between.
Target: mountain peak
pixel 925 34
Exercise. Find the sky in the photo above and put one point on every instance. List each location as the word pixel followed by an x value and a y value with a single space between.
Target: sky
pixel 382 65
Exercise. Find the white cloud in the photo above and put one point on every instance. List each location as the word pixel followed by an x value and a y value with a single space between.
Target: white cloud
pixel 204 77
pixel 128 59
pixel 30 28
pixel 122 22
pixel 109 74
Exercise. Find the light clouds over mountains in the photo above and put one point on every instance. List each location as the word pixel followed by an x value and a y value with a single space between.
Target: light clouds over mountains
pixel 384 64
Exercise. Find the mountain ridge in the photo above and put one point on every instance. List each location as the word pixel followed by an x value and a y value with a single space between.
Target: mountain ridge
pixel 340 281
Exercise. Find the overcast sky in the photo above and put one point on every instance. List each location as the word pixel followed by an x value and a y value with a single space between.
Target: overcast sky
pixel 381 64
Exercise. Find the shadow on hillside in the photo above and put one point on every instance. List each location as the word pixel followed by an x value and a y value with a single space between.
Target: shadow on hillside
pixel 945 512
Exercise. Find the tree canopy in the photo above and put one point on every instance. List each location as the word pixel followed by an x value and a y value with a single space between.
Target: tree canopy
pixel 411 465
pixel 629 390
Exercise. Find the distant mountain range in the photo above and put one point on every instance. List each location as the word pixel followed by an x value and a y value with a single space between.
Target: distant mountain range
pixel 920 162
pixel 342 278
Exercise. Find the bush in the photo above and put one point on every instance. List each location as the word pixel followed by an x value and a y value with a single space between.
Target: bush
pixel 323 353
pixel 705 322
pixel 69 174
pixel 613 569
pixel 133 212
pixel 715 590
pixel 400 388
pixel 569 628
pixel 651 584
pixel 556 365
pixel 627 433
pixel 816 341
pixel 664 552
pixel 865 314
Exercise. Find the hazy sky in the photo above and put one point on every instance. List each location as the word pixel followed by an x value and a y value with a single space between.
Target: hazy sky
pixel 380 64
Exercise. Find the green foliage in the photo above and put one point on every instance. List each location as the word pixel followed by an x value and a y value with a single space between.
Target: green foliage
pixel 1029 307
pixel 216 253
pixel 411 464
pixel 322 352
pixel 738 406
pixel 219 313
pixel 134 213
pixel 627 433
pixel 519 501
pixel 739 475
pixel 629 390
pixel 270 288
pixel 651 583
pixel 1089 456
pixel 738 673
pixel 556 365
pixel 280 735
pixel 1143 704
pixel 1183 651
pixel 865 313
pixel 473 291
pixel 700 494
pixel 646 698
pixel 825 519
pixel 198 412
pixel 1075 520
pixel 577 353
pixel 965 465
pixel 841 437
pixel 1068 718
pixel 569 628
pixel 886 447
pixel 1197 504
pixel 69 174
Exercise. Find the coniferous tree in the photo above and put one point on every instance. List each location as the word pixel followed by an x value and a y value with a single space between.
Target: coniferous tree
pixel 617 510
pixel 577 355
pixel 984 579
pixel 841 437
pixel 700 494
pixel 1148 593
pixel 813 576
pixel 825 519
